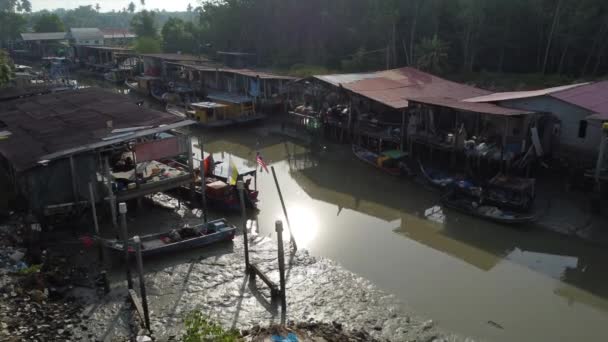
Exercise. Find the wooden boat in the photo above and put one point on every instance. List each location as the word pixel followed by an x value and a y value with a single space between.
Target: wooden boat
pixel 511 192
pixel 472 206
pixel 179 239
pixel 237 108
pixel 209 114
pixel 437 178
pixel 391 162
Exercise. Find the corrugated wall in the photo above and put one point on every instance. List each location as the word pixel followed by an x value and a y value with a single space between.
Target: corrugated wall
pixel 52 184
pixel 570 144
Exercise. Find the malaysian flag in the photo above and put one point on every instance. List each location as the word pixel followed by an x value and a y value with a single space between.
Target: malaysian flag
pixel 260 161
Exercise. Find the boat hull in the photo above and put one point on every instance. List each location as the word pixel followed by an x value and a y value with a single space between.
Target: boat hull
pixel 489 213
pixel 224 232
pixel 370 158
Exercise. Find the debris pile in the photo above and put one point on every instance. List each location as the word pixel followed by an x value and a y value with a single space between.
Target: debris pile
pixel 35 301
pixel 305 332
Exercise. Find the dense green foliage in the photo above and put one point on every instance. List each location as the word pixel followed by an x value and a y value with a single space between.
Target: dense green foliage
pixel 541 37
pixel 11 22
pixel 179 35
pixel 148 45
pixel 545 36
pixel 88 16
pixel 200 328
pixel 48 22
pixel 5 68
pixel 143 24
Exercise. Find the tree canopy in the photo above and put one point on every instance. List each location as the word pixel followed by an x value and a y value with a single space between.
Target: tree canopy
pixel 144 24
pixel 49 22
pixel 532 36
pixel 179 35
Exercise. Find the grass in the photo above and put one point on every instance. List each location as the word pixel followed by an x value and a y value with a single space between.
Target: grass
pixel 199 328
pixel 30 270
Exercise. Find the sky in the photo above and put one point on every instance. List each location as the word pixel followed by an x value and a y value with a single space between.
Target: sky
pixel 109 5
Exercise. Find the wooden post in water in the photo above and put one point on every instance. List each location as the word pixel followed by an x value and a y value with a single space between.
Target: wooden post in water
pixel 240 186
pixel 191 167
pixel 142 284
pixel 203 185
pixel 94 213
pixel 276 182
pixel 110 192
pixel 122 209
pixel 279 230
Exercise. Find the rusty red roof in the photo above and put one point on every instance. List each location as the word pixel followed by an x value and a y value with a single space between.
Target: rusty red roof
pixel 484 108
pixel 514 95
pixel 53 123
pixel 593 97
pixel 395 87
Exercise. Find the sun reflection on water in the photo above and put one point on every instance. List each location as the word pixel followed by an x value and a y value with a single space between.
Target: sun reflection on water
pixel 304 224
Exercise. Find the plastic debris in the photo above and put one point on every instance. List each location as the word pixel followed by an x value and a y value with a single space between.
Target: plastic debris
pixel 291 337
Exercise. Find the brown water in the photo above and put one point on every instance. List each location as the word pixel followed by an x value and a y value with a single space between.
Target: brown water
pixel 473 277
pixel 463 272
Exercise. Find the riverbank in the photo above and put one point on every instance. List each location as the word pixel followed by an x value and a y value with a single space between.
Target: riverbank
pixel 320 293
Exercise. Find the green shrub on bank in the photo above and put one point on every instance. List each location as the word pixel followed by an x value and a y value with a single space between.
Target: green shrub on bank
pixel 199 328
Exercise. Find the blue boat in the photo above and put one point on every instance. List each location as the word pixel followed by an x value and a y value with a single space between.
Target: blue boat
pixel 179 239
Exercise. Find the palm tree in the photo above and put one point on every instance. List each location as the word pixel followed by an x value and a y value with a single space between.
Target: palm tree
pixel 432 54
pixel 97 7
pixel 131 7
pixel 142 2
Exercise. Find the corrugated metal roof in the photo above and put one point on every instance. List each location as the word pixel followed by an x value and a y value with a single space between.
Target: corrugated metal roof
pixel 484 108
pixel 117 33
pixel 86 33
pixel 593 97
pixel 109 48
pixel 395 87
pixel 183 57
pixel 44 36
pixel 513 95
pixel 51 124
pixel 243 72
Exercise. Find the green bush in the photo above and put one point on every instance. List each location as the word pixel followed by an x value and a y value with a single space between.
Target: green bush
pixel 199 328
pixel 148 45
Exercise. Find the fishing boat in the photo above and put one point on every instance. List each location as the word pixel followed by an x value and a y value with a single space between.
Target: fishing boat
pixel 222 195
pixel 438 178
pixel 472 206
pixel 179 239
pixel 206 114
pixel 238 109
pixel 393 162
pixel 219 193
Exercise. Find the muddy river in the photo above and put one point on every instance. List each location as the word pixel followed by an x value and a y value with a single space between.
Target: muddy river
pixel 474 278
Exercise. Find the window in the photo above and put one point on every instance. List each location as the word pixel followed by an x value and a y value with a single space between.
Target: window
pixel 582 129
pixel 97 42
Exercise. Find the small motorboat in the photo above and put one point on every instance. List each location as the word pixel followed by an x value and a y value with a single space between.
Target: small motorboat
pixel 473 206
pixel 179 239
pixel 392 162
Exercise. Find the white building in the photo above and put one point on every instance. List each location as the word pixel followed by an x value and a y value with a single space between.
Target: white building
pixel 578 111
pixel 85 36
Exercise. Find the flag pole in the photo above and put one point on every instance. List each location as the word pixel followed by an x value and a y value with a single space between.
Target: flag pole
pixel 276 181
